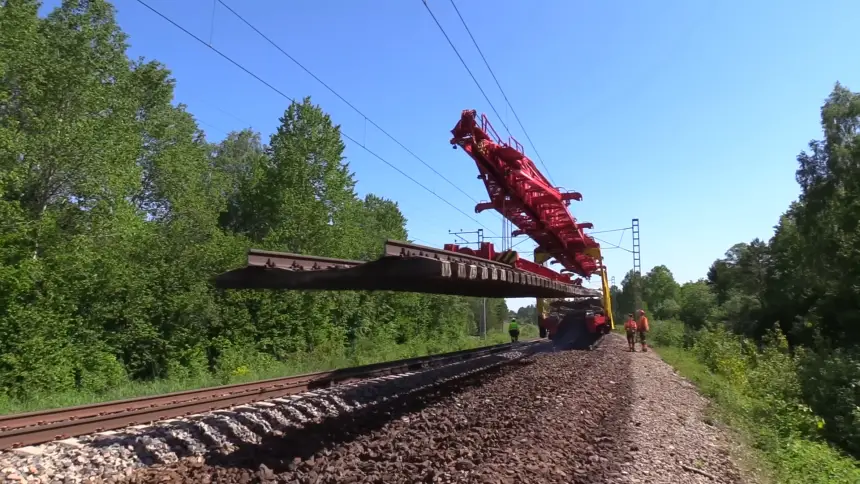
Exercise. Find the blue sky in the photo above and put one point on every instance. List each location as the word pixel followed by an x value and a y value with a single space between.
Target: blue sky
pixel 685 114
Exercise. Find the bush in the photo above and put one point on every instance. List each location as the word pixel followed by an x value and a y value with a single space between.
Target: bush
pixel 775 384
pixel 723 353
pixel 237 361
pixel 668 333
pixel 831 385
pixel 100 371
pixel 762 391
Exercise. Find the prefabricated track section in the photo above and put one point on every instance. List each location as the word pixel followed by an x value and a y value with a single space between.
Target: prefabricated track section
pixel 404 267
pixel 45 426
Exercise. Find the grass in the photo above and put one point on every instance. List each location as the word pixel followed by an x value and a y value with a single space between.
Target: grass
pixel 366 352
pixel 781 460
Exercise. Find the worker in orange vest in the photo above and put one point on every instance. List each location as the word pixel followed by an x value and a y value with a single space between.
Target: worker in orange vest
pixel 642 328
pixel 630 326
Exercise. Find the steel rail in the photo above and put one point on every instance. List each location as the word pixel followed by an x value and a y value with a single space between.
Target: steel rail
pixel 397 248
pixel 297 262
pixel 402 267
pixel 44 426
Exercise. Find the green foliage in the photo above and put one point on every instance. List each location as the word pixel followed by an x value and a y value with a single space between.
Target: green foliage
pixel 526 314
pixel 496 313
pixel 797 290
pixel 775 326
pixel 697 303
pixel 723 353
pixel 667 333
pixel 830 381
pixel 660 293
pixel 759 393
pixel 115 214
pixel 629 299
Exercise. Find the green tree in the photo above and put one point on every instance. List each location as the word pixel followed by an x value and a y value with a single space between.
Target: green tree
pixel 527 314
pixel 240 160
pixel 660 292
pixel 828 217
pixel 697 303
pixel 115 214
pixel 382 219
pixel 630 298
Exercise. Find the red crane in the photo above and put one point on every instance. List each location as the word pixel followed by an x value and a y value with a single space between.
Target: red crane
pixel 519 192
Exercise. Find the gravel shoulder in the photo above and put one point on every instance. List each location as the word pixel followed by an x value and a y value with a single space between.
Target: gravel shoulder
pixel 674 441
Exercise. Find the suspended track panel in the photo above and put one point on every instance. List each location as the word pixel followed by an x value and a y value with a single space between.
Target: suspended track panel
pixel 404 268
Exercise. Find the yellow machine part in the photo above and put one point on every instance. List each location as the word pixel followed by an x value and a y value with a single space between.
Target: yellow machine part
pixel 541 305
pixel 607 295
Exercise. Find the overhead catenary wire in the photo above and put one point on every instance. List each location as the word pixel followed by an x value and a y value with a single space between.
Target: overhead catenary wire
pixel 608 231
pixel 463 61
pixel 499 85
pixel 289 98
pixel 339 96
pixel 611 245
pixel 520 242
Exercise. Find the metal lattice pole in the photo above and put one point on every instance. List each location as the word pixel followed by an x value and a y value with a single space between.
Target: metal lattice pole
pixel 637 264
pixel 637 259
pixel 482 323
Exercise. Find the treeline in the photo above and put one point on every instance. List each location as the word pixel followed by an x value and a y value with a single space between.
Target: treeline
pixel 526 314
pixel 115 213
pixel 801 286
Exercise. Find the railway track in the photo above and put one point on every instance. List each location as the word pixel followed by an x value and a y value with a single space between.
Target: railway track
pixel 45 426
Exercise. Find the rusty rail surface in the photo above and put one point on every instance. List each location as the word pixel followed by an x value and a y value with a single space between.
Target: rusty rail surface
pixel 44 426
pixel 297 262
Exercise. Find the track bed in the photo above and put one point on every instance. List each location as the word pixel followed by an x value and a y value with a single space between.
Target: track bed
pixel 548 418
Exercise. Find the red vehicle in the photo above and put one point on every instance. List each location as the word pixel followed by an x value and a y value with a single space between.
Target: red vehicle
pixel 575 324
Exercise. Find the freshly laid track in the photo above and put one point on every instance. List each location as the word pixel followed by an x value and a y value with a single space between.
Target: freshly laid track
pixel 44 426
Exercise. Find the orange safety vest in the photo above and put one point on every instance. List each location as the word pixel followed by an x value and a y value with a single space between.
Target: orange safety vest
pixel 643 323
pixel 630 325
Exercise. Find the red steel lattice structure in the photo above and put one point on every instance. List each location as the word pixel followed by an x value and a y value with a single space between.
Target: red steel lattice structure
pixel 519 192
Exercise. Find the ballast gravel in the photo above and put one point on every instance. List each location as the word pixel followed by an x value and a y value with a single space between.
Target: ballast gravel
pixel 604 416
pixel 115 456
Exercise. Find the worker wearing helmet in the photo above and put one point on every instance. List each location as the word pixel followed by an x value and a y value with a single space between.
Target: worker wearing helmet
pixel 630 326
pixel 514 330
pixel 642 328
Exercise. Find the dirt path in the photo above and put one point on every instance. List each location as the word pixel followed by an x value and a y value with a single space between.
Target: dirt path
pixel 668 436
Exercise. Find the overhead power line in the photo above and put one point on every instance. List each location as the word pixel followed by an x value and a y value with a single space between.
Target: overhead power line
pixel 285 96
pixel 499 85
pixel 463 61
pixel 608 231
pixel 611 245
pixel 520 242
pixel 331 89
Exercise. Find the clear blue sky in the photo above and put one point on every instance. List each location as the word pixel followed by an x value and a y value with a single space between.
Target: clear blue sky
pixel 685 114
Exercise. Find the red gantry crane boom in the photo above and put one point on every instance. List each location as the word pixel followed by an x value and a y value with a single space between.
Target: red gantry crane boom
pixel 520 192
